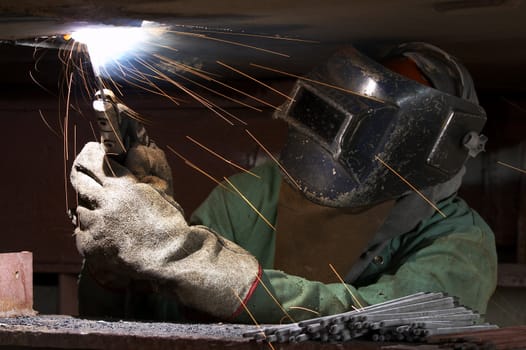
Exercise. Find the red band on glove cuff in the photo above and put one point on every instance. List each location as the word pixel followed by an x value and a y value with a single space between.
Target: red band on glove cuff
pixel 251 291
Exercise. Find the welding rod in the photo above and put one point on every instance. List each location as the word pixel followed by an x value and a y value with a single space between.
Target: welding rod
pixel 413 314
pixel 385 304
pixel 411 318
pixel 450 330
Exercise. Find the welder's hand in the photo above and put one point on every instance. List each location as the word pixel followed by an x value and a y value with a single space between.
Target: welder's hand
pixel 129 231
pixel 149 165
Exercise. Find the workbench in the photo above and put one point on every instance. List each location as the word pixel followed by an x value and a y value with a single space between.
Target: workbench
pixel 66 332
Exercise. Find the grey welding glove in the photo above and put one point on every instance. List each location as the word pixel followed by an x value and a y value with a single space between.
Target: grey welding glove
pixel 129 230
pixel 149 165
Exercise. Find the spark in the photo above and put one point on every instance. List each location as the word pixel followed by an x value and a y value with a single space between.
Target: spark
pixel 135 72
pixel 65 143
pixel 410 185
pixel 230 114
pixel 246 94
pixel 318 82
pixel 82 51
pixel 163 94
pixel 220 94
pixel 66 183
pixel 305 309
pixel 256 80
pixel 195 167
pixel 273 158
pixel 274 298
pixel 221 157
pixel 39 58
pixel 75 153
pixel 159 75
pixel 514 104
pixel 75 139
pixel 134 115
pixel 208 78
pixel 93 131
pixel 251 316
pixel 108 120
pixel 511 167
pixel 47 124
pixel 116 85
pixel 355 300
pixel 196 96
pixel 121 68
pixel 250 204
pixel 202 36
pixel 83 76
pixel 70 56
pixel 66 117
pixel 164 46
pixel 40 85
pixel 107 161
pixel 61 56
pixel 260 36
pixel 204 74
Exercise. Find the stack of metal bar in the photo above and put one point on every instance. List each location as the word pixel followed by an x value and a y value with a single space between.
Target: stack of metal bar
pixel 412 318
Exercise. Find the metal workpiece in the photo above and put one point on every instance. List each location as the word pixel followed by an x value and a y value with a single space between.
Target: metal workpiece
pixel 409 319
pixel 16 284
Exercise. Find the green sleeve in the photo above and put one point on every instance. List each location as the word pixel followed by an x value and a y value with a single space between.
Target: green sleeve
pixel 455 255
pixel 461 261
pixel 229 214
pixel 298 299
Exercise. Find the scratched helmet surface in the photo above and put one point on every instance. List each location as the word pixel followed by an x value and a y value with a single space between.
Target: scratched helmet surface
pixel 355 124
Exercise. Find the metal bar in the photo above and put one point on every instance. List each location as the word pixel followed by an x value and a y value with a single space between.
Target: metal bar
pixel 412 318
pixel 452 330
pixel 16 284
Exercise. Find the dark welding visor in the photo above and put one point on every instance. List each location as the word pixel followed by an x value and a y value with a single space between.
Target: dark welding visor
pixel 351 114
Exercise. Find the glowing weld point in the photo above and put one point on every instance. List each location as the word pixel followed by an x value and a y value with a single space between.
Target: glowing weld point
pixel 109 43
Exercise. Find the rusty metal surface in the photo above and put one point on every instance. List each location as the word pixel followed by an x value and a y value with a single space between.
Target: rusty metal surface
pixel 65 332
pixel 16 284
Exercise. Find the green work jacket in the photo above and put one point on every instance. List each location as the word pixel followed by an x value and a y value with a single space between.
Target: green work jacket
pixel 455 254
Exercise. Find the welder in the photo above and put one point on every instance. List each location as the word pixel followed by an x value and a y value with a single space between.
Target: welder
pixel 374 156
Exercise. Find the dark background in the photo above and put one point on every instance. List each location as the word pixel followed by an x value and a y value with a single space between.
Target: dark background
pixel 488 36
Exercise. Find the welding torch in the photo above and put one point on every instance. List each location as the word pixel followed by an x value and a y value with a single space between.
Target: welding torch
pixel 120 126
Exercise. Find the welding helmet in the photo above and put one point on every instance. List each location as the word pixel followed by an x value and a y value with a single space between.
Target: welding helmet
pixel 359 133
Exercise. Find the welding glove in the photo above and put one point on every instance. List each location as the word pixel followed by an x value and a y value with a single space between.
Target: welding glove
pixel 149 165
pixel 132 231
